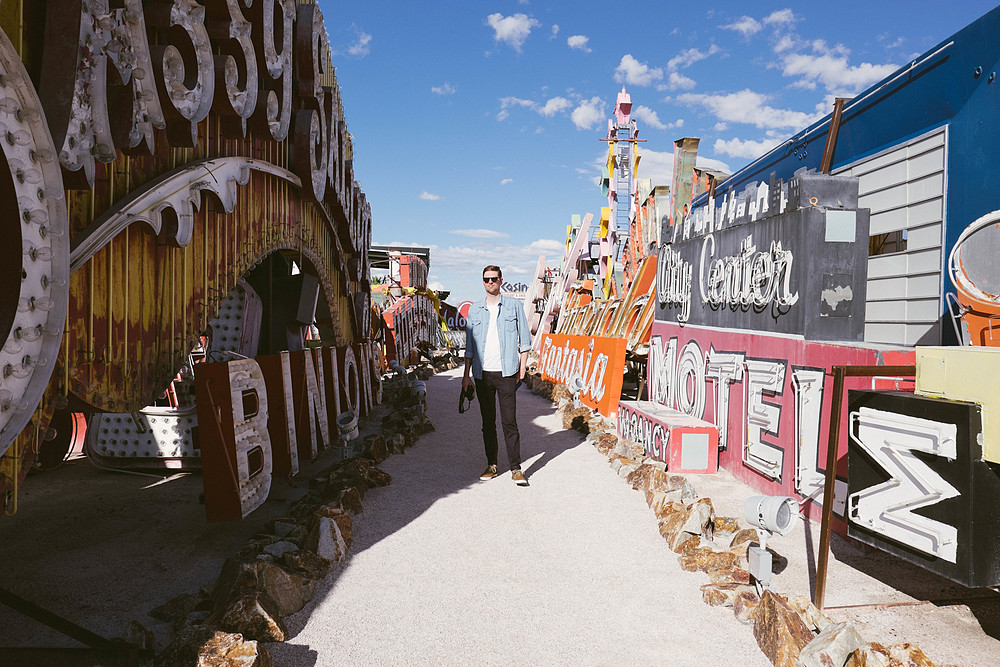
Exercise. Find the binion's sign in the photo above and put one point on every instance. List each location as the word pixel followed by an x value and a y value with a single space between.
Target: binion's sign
pixel 259 417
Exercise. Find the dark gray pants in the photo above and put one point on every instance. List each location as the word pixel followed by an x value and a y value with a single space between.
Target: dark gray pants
pixel 494 385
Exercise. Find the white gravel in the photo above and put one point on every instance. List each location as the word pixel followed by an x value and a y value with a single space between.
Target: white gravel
pixel 449 570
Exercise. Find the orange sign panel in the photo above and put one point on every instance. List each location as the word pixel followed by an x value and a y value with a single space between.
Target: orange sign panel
pixel 591 366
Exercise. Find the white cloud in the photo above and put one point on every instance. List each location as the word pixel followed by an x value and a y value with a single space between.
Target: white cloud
pixel 579 42
pixel 427 196
pixel 744 149
pixel 749 108
pixel 649 117
pixel 679 82
pixel 656 165
pixel 479 233
pixel 588 113
pixel 512 30
pixel 744 25
pixel 515 101
pixel 551 107
pixel 547 246
pixel 690 57
pixel 780 17
pixel 446 89
pixel 632 71
pixel 833 72
pixel 507 102
pixel 721 127
pixel 784 43
pixel 360 47
pixel 555 31
pixel 709 163
pixel 554 106
pixel 815 63
pixel 459 267
pixel 507 181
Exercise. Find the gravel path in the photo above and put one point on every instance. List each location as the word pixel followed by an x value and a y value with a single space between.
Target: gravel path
pixel 449 570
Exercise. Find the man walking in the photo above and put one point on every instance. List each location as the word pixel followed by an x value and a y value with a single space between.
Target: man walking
pixel 497 341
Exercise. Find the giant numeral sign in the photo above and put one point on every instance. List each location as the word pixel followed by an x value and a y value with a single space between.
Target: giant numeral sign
pixel 888 508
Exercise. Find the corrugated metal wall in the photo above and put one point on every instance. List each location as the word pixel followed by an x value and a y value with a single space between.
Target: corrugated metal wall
pixel 904 188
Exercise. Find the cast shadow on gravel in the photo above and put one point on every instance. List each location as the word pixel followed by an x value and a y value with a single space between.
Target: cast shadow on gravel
pixel 915 581
pixel 440 463
pixel 907 578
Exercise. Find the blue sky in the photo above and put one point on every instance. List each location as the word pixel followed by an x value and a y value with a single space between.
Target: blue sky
pixel 476 125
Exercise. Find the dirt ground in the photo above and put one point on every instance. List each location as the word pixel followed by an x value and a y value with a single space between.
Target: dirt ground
pixel 102 548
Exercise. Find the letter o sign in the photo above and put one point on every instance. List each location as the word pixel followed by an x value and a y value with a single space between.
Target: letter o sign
pixel 691 381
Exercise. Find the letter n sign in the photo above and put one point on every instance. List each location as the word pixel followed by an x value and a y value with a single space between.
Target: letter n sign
pixel 232 431
pixel 918 487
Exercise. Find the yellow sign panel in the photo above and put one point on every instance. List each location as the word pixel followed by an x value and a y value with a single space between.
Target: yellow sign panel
pixel 965 374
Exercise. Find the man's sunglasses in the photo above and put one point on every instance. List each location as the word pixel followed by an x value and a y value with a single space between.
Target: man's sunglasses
pixel 491 279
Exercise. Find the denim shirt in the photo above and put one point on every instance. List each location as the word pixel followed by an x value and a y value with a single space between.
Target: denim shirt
pixel 512 326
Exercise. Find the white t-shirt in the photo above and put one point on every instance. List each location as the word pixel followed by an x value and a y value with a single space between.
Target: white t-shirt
pixel 491 355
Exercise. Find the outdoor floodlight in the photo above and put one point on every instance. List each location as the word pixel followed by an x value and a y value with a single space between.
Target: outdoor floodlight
pixel 773 514
pixel 769 515
pixel 576 386
pixel 347 424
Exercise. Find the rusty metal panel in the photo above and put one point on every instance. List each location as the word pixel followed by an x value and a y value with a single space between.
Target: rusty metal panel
pixel 145 285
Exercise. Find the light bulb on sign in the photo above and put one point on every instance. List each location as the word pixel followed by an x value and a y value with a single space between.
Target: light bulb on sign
pixel 32 176
pixel 37 215
pixel 30 334
pixel 12 78
pixel 36 253
pixel 19 137
pixel 16 370
pixel 43 303
pixel 27 115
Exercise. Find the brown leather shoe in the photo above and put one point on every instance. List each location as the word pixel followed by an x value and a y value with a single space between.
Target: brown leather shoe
pixel 518 477
pixel 489 473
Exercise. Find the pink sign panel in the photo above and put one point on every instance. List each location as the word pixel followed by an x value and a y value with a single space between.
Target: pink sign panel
pixel 770 397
